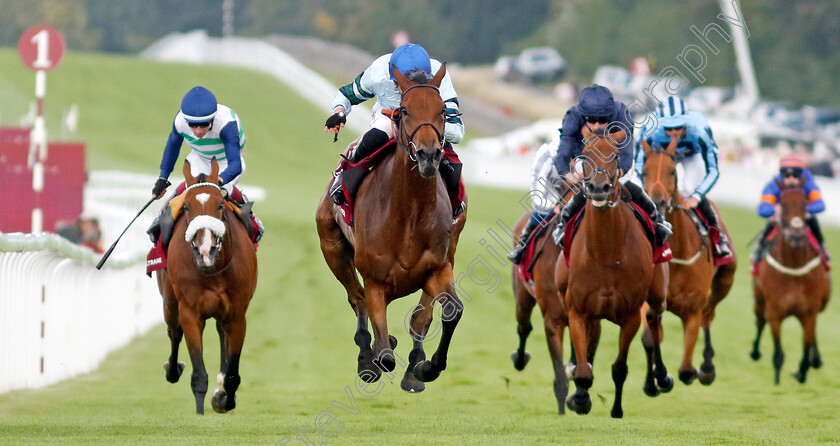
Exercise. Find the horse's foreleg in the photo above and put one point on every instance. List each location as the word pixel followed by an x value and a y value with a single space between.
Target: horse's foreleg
pixel 809 325
pixel 778 353
pixel 580 402
pixel 193 326
pixel 707 368
pixel 383 359
pixel 555 324
pixel 524 307
pixel 440 286
pixel 619 368
pixel 231 336
pixel 656 300
pixel 173 368
pixel 760 321
pixel 691 329
pixel 418 327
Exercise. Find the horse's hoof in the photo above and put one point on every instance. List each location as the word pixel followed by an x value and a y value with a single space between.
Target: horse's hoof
pixel 174 375
pixel 369 374
pixel 387 364
pixel 617 413
pixel 688 376
pixel 707 376
pixel 650 388
pixel 665 384
pixel 582 405
pixel 411 384
pixel 816 362
pixel 755 354
pixel 222 402
pixel 520 361
pixel 425 371
pixel 800 377
pixel 393 341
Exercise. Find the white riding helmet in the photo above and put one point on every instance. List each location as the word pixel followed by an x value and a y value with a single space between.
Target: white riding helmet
pixel 672 112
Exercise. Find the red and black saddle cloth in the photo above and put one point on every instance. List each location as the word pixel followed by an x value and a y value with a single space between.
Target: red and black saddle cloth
pixel 704 227
pixel 525 270
pixel 354 174
pixel 661 254
pixel 771 238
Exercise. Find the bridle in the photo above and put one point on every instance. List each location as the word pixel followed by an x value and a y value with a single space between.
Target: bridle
pixel 409 146
pixel 671 206
pixel 207 222
pixel 613 178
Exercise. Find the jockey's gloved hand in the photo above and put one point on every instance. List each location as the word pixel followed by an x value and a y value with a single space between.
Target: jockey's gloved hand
pixel 160 187
pixel 222 188
pixel 336 120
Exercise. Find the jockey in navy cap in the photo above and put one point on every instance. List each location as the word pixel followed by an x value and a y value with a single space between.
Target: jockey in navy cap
pixel 597 110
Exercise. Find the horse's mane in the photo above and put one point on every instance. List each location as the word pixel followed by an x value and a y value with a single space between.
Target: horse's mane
pixel 418 76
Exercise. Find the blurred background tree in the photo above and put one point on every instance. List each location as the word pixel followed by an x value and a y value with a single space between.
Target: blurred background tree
pixel 795 43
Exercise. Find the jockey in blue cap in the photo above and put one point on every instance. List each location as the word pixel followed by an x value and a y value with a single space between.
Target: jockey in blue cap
pixel 213 131
pixel 696 152
pixel 377 80
pixel 596 110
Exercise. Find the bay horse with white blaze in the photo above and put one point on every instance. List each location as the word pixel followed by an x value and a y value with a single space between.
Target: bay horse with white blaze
pixel 211 272
pixel 792 280
pixel 610 275
pixel 403 240
pixel 696 286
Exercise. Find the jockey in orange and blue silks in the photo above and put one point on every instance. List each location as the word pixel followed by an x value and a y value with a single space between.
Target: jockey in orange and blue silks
pixel 377 81
pixel 791 169
pixel 696 152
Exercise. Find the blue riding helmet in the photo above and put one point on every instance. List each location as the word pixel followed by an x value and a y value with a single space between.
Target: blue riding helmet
pixel 198 105
pixel 672 112
pixel 596 100
pixel 409 57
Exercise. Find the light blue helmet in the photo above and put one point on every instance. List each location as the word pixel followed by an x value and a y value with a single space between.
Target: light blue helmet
pixel 198 105
pixel 672 112
pixel 410 57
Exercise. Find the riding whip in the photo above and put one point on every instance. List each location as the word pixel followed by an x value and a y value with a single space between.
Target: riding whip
pixel 111 249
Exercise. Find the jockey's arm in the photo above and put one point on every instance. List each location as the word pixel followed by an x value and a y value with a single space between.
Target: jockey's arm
pixel 453 129
pixel 709 151
pixel 812 191
pixel 769 200
pixel 639 164
pixel 230 138
pixel 170 152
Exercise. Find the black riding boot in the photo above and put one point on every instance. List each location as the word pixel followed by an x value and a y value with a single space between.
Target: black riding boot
pixel 450 173
pixel 815 228
pixel 572 207
pixel 370 142
pixel 537 218
pixel 722 247
pixel 762 245
pixel 662 229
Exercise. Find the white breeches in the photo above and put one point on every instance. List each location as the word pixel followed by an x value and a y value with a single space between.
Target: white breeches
pixel 199 165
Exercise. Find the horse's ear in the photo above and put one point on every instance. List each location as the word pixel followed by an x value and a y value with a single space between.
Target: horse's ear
pixel 585 132
pixel 672 147
pixel 402 82
pixel 214 170
pixel 617 136
pixel 646 146
pixel 438 78
pixel 188 173
pixel 779 183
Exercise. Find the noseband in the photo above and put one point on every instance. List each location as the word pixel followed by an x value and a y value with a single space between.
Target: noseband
pixel 409 147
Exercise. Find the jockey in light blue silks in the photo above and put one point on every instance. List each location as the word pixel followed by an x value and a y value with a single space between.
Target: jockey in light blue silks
pixel 696 152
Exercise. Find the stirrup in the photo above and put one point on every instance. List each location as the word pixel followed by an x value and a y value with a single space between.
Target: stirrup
pixel 336 191
pixel 516 256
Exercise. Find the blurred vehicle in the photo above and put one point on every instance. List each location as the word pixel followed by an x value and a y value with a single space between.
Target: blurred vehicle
pixel 541 64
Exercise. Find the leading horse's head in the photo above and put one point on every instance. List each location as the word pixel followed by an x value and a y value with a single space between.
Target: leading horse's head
pixel 204 212
pixel 794 204
pixel 598 164
pixel 659 174
pixel 421 120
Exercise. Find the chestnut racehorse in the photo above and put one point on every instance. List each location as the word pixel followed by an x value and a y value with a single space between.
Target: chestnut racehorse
pixel 696 285
pixel 211 272
pixel 791 281
pixel 403 240
pixel 611 274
